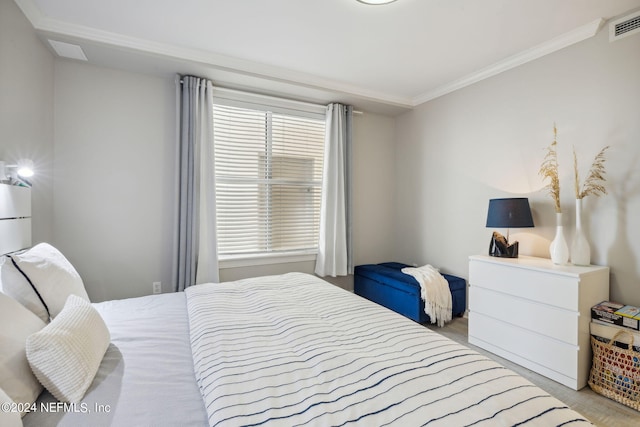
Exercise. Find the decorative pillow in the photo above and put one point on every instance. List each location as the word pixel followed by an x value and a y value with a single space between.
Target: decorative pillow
pixel 66 354
pixel 8 416
pixel 16 324
pixel 13 283
pixel 52 276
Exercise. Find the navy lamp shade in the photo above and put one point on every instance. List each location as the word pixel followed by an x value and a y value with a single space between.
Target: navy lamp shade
pixel 507 213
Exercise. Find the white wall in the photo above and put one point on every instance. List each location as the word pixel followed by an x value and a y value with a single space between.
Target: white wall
pixel 114 177
pixel 488 140
pixel 26 109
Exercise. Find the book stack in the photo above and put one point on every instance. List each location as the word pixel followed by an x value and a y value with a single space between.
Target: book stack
pixel 612 313
pixel 607 318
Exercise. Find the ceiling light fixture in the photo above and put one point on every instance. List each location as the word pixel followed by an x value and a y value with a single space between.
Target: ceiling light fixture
pixel 376 2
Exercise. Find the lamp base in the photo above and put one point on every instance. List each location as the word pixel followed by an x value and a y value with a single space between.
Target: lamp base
pixel 500 247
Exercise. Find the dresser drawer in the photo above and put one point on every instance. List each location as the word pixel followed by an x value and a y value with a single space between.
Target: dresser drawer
pixel 547 320
pixel 545 287
pixel 535 313
pixel 550 353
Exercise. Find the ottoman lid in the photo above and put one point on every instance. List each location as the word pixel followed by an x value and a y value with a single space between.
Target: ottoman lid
pixel 387 272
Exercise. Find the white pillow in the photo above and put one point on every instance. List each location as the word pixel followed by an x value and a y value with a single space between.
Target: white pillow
pixel 16 324
pixel 52 275
pixel 8 416
pixel 13 283
pixel 66 354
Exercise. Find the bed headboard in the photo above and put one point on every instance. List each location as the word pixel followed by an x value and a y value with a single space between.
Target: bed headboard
pixel 15 218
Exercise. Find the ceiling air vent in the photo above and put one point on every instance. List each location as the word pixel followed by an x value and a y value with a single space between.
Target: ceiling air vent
pixel 68 50
pixel 624 27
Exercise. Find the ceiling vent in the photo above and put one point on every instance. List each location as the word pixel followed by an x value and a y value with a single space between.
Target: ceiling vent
pixel 624 27
pixel 68 50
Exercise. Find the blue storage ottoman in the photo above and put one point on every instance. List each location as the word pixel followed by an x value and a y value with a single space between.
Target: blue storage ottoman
pixel 387 285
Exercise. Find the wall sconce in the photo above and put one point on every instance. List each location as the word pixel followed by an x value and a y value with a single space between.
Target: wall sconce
pixel 507 213
pixel 16 174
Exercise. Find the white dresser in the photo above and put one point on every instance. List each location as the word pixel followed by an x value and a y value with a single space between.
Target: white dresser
pixel 535 313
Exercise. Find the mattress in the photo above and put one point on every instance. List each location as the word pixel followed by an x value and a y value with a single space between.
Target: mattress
pixel 146 377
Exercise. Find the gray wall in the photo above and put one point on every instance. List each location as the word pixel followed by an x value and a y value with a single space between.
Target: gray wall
pixel 488 140
pixel 114 172
pixel 114 177
pixel 26 109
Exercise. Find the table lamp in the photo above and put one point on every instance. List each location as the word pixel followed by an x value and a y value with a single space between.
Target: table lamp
pixel 507 213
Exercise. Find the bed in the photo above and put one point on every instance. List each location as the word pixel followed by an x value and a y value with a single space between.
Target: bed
pixel 292 350
pixel 288 350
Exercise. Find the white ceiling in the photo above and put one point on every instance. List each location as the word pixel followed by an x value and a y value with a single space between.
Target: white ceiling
pixel 393 56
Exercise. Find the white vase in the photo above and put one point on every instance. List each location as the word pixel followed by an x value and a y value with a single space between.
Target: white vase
pixel 558 249
pixel 580 250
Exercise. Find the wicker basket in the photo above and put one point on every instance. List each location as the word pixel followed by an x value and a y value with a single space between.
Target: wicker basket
pixel 615 372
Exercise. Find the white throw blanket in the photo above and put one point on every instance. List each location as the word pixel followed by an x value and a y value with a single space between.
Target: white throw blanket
pixel 434 290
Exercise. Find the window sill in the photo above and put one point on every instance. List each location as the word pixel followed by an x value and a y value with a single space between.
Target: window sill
pixel 234 261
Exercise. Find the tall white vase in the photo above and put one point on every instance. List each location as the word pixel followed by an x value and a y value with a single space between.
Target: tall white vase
pixel 580 250
pixel 558 249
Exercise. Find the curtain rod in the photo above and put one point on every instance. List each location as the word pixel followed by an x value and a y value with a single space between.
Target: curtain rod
pixel 240 92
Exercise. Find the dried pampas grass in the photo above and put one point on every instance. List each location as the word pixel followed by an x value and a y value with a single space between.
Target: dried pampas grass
pixel 549 170
pixel 593 183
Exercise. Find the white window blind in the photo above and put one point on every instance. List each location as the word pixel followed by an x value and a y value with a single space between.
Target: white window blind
pixel 268 180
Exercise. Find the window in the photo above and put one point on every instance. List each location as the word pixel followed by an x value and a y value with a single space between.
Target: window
pixel 268 180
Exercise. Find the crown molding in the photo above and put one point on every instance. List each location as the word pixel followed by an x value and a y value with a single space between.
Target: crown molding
pixel 54 27
pixel 31 11
pixel 226 63
pixel 567 39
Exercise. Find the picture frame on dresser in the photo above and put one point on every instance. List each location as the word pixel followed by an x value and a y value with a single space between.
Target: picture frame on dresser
pixel 535 313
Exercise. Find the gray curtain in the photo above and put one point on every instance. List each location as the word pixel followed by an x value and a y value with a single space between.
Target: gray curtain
pixel 195 257
pixel 335 241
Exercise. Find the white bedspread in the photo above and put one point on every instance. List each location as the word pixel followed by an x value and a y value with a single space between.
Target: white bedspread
pixel 146 377
pixel 293 350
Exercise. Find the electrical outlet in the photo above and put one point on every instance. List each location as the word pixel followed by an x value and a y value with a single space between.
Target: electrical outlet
pixel 157 287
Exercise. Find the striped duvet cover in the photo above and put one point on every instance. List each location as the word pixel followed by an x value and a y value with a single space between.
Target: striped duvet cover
pixel 294 350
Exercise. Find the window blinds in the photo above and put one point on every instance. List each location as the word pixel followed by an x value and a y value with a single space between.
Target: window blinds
pixel 268 180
